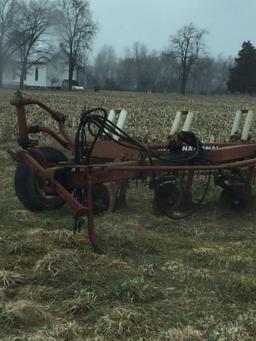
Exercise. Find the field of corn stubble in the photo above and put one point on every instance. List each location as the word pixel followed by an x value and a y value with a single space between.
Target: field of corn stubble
pixel 158 279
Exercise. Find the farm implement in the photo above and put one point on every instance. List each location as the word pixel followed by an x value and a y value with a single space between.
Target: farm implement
pixel 104 158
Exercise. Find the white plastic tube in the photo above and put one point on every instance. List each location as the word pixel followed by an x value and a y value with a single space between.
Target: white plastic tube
pixel 112 115
pixel 188 121
pixel 247 126
pixel 236 123
pixel 176 123
pixel 121 121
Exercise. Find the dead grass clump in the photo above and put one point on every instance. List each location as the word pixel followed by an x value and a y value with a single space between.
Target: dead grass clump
pixel 136 290
pixel 21 215
pixel 186 334
pixel 118 263
pixel 5 318
pixel 28 337
pixel 10 279
pixel 178 271
pixel 174 267
pixel 233 333
pixel 27 247
pixel 58 263
pixel 210 257
pixel 237 287
pixel 85 301
pixel 61 238
pixel 27 312
pixel 39 336
pixel 240 329
pixel 2 294
pixel 64 332
pixel 147 269
pixel 121 323
pixel 38 233
pixel 203 251
pixel 240 262
pixel 66 238
pixel 38 293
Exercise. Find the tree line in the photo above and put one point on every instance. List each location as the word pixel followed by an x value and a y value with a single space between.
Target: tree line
pixel 143 70
pixel 31 29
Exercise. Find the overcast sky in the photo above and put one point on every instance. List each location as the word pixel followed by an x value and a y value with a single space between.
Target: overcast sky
pixel 121 22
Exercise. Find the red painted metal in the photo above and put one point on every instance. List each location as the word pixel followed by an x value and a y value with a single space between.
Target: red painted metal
pixel 19 102
pixel 50 132
pixel 125 163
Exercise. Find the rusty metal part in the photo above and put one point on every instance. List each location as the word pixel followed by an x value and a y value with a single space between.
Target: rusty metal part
pixel 19 101
pixel 49 131
pixel 24 130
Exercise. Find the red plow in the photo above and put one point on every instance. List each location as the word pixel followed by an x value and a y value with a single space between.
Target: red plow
pixel 104 158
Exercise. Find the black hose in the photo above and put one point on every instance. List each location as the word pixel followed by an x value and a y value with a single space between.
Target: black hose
pixel 92 119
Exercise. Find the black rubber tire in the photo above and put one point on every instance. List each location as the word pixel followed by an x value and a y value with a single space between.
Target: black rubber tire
pixel 25 183
pixel 168 199
pixel 102 201
pixel 237 201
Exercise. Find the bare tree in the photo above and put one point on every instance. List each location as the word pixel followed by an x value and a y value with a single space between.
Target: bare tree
pixel 105 67
pixel 139 68
pixel 139 54
pixel 187 46
pixel 8 16
pixel 168 72
pixel 77 31
pixel 209 75
pixel 28 38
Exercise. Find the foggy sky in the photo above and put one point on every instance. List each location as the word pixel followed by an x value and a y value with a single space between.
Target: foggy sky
pixel 121 22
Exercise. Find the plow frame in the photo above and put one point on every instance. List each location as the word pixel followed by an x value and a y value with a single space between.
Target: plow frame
pixel 221 156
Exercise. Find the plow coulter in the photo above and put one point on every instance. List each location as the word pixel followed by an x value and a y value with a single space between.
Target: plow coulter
pixel 105 158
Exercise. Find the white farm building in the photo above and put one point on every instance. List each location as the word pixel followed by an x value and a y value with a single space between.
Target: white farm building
pixel 52 72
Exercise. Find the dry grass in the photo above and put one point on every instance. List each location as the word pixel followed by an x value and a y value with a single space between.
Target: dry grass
pixel 121 323
pixel 58 263
pixel 21 215
pixel 158 279
pixel 136 290
pixel 26 312
pixel 10 279
pixel 185 334
pixel 64 331
pixel 84 301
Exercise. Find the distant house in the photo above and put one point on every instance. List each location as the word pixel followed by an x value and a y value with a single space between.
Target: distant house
pixel 53 72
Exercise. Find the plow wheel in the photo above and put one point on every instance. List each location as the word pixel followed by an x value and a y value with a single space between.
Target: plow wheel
pixel 31 190
pixel 180 199
pixel 106 197
pixel 118 195
pixel 236 197
pixel 167 199
pixel 101 198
